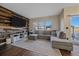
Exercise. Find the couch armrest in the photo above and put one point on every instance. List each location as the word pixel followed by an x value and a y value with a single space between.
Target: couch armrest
pixel 60 40
pixel 61 43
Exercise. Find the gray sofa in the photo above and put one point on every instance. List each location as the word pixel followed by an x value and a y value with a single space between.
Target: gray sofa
pixel 43 34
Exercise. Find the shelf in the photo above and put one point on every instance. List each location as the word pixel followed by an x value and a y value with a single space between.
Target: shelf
pixel 2 43
pixel 5 22
pixel 9 20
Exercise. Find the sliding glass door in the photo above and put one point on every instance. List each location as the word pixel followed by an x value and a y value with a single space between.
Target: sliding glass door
pixel 75 29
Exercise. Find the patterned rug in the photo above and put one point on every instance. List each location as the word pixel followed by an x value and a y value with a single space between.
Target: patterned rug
pixel 40 46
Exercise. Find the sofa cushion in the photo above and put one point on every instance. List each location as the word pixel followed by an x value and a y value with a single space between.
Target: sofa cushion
pixel 62 35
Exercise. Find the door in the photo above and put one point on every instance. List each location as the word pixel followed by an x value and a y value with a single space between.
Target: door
pixel 75 29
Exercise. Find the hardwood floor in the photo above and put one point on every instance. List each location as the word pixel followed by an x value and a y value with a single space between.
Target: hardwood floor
pixel 75 51
pixel 17 51
pixel 65 52
pixel 11 50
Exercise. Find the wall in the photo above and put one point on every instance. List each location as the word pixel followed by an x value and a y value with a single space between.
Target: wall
pixel 55 21
pixel 61 17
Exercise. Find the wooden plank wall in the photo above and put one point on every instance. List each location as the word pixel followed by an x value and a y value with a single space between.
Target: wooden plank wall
pixel 6 14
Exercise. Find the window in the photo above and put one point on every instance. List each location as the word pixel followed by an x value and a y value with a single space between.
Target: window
pixel 43 25
pixel 75 21
pixel 75 27
pixel 48 24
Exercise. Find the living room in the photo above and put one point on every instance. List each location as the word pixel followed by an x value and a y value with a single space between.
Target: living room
pixel 38 27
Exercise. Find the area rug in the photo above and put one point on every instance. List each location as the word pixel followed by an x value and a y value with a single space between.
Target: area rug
pixel 40 46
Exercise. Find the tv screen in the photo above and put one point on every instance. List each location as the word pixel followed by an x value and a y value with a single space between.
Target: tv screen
pixel 18 22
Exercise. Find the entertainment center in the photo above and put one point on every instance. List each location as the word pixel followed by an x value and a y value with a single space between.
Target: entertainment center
pixel 11 22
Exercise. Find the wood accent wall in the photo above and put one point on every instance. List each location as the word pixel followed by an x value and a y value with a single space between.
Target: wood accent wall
pixel 6 15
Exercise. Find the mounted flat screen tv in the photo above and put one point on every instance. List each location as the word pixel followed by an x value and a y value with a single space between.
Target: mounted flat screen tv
pixel 18 22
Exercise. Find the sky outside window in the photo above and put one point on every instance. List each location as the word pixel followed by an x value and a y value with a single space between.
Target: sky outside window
pixel 75 21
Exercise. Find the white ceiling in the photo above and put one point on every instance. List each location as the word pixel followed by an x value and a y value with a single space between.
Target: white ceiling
pixel 32 10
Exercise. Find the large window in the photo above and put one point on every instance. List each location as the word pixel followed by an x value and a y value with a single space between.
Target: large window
pixel 75 21
pixel 75 25
pixel 43 25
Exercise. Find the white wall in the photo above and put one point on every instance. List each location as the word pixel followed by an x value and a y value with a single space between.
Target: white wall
pixel 61 17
